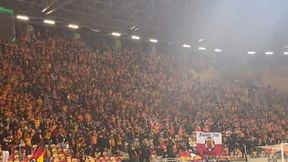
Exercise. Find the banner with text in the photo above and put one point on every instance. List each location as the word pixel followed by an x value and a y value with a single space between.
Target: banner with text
pixel 209 143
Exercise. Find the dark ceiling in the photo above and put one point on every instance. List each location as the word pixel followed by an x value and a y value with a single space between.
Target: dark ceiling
pixel 226 24
pixel 151 16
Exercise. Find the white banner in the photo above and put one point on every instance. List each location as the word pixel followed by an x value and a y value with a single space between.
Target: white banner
pixel 202 137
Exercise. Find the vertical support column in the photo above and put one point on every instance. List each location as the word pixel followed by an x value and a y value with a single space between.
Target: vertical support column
pixel 282 152
pixel 153 49
pixel 118 43
pixel 76 36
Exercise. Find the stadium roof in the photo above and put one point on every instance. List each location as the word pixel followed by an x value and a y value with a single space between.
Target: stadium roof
pixel 258 25
pixel 146 16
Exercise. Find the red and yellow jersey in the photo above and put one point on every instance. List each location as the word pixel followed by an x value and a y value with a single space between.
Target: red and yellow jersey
pixel 94 139
pixel 28 141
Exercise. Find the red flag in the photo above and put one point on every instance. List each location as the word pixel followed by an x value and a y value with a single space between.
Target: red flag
pixel 209 143
pixel 39 154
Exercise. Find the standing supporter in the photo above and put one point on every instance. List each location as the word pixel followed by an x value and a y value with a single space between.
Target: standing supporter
pixel 145 153
pixel 111 100
pixel 28 144
pixel 93 143
pixel 6 141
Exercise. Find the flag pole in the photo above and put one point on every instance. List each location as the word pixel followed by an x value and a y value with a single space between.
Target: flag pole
pixel 282 152
pixel 245 150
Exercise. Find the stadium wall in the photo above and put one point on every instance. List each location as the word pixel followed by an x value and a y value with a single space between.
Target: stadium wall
pixel 7 27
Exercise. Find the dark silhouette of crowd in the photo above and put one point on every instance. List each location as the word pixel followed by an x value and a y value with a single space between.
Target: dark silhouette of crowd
pixel 108 101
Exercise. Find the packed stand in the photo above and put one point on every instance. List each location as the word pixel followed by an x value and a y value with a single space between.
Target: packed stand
pixel 105 102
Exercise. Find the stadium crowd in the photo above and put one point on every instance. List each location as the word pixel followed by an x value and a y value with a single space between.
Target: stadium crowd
pixel 108 101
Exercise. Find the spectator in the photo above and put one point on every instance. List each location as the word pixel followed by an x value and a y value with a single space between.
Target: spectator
pixel 6 148
pixel 61 92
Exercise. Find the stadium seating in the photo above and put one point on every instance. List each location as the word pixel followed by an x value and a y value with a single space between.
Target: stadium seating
pixel 94 104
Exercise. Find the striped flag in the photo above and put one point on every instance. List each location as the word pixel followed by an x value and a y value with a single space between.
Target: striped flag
pixel 38 155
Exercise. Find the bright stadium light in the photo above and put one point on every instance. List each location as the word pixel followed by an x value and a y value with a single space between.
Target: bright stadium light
pixel 201 48
pixel 116 34
pixel 201 40
pixel 45 9
pixel 153 40
pixel 186 46
pixel 73 26
pixel 251 53
pixel 217 50
pixel 285 53
pixel 22 17
pixel 134 28
pixel 49 12
pixel 51 22
pixel 95 30
pixel 269 53
pixel 135 37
